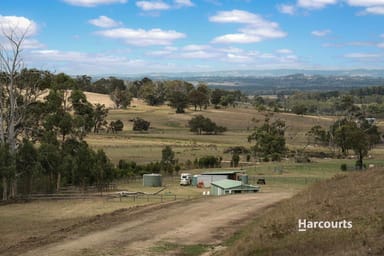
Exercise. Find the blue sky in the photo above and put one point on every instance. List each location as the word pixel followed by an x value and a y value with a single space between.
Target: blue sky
pixel 132 37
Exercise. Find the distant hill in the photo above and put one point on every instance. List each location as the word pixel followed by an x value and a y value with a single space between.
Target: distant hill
pixel 274 81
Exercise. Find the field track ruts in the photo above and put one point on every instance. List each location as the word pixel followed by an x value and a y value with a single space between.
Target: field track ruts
pixel 133 231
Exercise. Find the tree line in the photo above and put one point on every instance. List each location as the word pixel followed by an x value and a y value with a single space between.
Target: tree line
pixel 369 101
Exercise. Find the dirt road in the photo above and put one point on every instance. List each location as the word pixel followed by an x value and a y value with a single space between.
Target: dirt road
pixel 134 232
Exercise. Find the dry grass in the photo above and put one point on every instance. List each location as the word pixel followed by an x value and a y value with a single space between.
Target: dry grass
pixel 169 128
pixel 24 221
pixel 356 197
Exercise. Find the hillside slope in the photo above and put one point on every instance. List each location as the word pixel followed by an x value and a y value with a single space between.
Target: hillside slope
pixel 356 197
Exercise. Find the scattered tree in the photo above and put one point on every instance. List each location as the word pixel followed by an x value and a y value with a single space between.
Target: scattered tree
pixel 168 159
pixel 116 126
pixel 269 140
pixel 179 101
pixel 200 124
pixel 140 124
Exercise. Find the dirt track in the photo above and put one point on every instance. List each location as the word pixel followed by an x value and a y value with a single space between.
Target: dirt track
pixel 134 232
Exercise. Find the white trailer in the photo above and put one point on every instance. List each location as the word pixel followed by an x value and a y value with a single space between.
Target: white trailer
pixel 185 179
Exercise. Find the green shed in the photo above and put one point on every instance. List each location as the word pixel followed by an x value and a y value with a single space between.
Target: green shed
pixel 225 187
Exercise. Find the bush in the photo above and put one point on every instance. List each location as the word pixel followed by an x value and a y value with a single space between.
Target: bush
pixel 200 124
pixel 116 126
pixel 237 150
pixel 344 167
pixel 140 124
pixel 208 162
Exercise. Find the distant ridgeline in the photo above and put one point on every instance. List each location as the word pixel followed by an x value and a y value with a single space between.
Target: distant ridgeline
pixel 290 83
pixel 249 83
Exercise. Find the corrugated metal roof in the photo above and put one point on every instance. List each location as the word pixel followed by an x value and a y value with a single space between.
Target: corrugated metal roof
pixel 227 184
pixel 220 172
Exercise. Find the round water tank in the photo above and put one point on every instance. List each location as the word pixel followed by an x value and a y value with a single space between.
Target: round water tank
pixel 194 180
pixel 152 180
pixel 244 178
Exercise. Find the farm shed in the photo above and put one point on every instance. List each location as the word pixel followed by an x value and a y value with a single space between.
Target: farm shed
pixel 225 187
pixel 206 178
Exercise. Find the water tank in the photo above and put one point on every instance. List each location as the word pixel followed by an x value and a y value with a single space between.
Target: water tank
pixel 244 178
pixel 194 180
pixel 152 180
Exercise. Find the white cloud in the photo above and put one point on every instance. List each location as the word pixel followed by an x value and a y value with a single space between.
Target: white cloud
pixel 256 29
pixel 321 33
pixel 183 3
pixel 32 44
pixel 93 3
pixel 195 47
pixel 141 37
pixel 287 9
pixel 380 45
pixel 236 16
pixel 152 5
pixel 238 58
pixel 17 24
pixel 104 22
pixel 315 4
pixel 378 10
pixel 284 51
pixel 362 55
pixel 371 6
pixel 74 62
pixel 365 3
pixel 200 57
pixel 228 55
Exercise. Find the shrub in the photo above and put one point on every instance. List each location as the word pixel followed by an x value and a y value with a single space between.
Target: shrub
pixel 140 124
pixel 343 167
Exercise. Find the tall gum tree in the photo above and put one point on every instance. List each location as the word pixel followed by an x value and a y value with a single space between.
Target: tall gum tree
pixel 17 93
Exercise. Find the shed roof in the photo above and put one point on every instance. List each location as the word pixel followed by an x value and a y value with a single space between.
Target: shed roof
pixel 226 184
pixel 220 172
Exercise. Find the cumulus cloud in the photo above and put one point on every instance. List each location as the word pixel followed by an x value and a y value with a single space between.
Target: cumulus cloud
pixel 183 3
pixel 152 5
pixel 378 10
pixel 159 5
pixel 315 4
pixel 284 51
pixel 363 55
pixel 321 33
pixel 287 9
pixel 141 37
pixel 93 3
pixel 207 53
pixel 256 28
pixel 18 24
pixel 365 3
pixel 73 62
pixel 104 22
pixel 371 6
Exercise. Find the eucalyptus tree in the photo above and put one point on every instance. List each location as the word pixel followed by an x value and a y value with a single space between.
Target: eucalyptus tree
pixel 19 90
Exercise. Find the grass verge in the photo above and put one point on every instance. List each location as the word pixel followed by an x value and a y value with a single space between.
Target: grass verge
pixel 356 197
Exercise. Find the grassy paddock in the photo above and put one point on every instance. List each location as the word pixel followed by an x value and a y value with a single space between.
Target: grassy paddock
pixel 356 197
pixel 168 128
